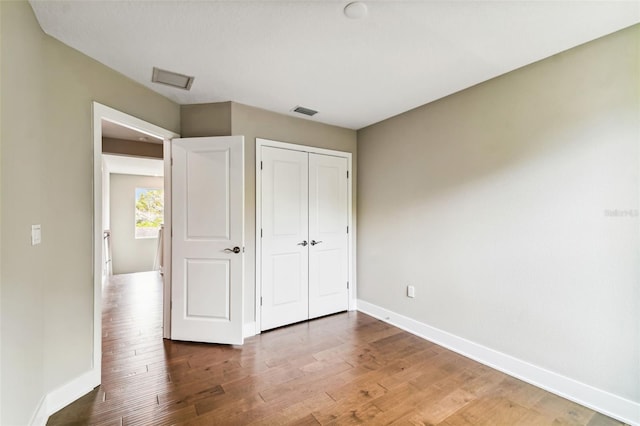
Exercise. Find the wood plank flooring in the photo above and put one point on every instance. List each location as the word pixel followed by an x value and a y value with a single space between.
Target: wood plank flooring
pixel 344 369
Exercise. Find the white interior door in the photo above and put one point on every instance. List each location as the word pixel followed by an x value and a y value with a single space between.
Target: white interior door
pixel 284 240
pixel 328 235
pixel 208 239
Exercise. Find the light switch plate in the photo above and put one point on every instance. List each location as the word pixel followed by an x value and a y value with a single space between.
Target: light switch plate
pixel 36 234
pixel 411 291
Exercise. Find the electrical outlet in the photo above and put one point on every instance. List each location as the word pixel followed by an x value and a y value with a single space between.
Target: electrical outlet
pixel 36 234
pixel 411 291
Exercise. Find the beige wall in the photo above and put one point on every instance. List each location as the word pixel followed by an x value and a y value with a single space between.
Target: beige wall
pixel 252 123
pixel 205 120
pixel 21 285
pixel 47 169
pixel 130 254
pixel 132 148
pixel 502 199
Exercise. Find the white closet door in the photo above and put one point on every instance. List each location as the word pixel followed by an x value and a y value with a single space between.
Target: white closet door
pixel 328 243
pixel 285 249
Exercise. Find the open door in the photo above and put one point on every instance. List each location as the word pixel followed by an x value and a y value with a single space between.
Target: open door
pixel 208 239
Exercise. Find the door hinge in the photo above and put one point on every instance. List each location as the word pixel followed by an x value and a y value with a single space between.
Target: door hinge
pixel 170 304
pixel 260 300
pixel 260 232
pixel 347 285
pixel 261 165
pixel 347 174
pixel 347 229
pixel 243 249
pixel 172 161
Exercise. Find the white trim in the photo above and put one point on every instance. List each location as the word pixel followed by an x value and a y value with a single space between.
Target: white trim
pixel 249 330
pixel 166 264
pixel 40 416
pixel 258 237
pixel 260 142
pixel 62 396
pixel 103 112
pixel 582 393
pixel 59 398
pixel 351 240
pixel 97 239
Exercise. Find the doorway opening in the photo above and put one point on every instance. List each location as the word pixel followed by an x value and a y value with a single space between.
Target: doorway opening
pixel 133 214
pixel 138 154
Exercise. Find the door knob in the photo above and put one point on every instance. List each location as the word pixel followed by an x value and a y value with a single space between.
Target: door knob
pixel 233 250
pixel 303 244
pixel 314 242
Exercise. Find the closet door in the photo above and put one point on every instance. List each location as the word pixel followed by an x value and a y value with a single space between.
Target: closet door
pixel 285 249
pixel 328 243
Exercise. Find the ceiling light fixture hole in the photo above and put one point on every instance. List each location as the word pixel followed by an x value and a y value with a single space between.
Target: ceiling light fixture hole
pixel 355 10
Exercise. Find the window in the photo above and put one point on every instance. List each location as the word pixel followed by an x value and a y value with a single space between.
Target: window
pixel 149 212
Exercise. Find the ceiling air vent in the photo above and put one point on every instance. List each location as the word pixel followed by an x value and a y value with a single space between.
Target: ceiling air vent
pixel 305 111
pixel 172 79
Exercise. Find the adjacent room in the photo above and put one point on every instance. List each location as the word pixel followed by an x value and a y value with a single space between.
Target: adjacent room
pixel 320 212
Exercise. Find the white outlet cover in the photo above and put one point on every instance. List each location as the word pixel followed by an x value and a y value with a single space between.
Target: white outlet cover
pixel 36 234
pixel 411 291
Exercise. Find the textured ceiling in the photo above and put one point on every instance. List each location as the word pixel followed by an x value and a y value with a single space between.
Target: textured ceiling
pixel 279 54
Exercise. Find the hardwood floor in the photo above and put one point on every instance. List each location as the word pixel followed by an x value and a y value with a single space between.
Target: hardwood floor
pixel 344 369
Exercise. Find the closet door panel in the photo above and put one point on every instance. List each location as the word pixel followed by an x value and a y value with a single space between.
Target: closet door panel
pixel 285 252
pixel 328 220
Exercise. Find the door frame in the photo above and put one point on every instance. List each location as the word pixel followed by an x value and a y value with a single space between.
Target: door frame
pixel 102 112
pixel 351 247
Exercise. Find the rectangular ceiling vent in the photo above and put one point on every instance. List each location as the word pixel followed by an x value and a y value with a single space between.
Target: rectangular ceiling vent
pixel 305 111
pixel 172 79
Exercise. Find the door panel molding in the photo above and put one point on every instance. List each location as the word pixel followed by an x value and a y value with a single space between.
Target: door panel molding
pixel 351 246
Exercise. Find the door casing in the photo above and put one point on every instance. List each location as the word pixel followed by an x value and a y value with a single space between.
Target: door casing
pixel 351 249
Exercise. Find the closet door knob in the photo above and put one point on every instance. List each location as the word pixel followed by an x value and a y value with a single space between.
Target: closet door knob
pixel 303 244
pixel 314 242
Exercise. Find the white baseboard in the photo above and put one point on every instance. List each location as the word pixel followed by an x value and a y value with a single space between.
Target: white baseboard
pixel 63 396
pixel 71 391
pixel 40 416
pixel 584 394
pixel 353 305
pixel 249 330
